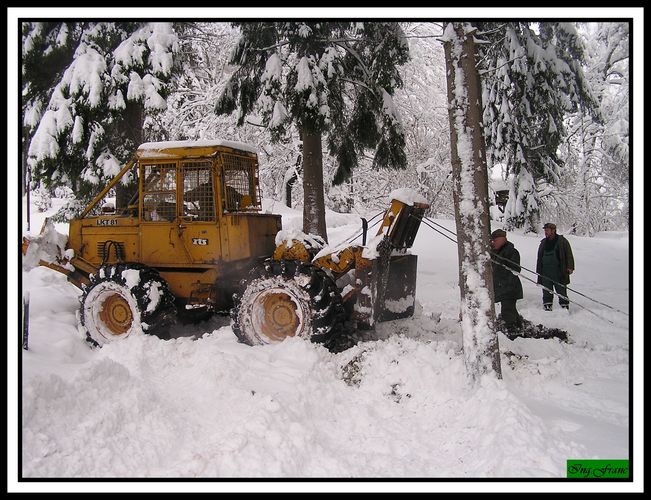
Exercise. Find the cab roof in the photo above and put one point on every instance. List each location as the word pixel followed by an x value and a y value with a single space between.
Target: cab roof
pixel 184 149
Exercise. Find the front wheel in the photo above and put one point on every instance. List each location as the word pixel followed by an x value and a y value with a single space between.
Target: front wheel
pixel 288 299
pixel 124 300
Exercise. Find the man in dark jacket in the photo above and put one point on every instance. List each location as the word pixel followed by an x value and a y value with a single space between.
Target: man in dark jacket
pixel 554 265
pixel 506 284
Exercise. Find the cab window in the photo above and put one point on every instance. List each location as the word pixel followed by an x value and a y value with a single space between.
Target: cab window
pixel 159 192
pixel 198 193
pixel 240 184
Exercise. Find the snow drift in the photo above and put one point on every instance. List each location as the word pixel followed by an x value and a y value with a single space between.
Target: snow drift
pixel 203 405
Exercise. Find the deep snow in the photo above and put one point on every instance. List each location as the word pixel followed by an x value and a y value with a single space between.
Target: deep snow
pixel 204 406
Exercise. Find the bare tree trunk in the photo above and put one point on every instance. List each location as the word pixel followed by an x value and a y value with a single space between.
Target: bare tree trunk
pixel 471 205
pixel 313 198
pixel 288 190
pixel 133 129
pixel 26 189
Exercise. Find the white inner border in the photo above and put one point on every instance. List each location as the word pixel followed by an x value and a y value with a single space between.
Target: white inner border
pixel 13 112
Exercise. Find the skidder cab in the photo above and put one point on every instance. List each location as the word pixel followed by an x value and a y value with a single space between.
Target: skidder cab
pixel 180 230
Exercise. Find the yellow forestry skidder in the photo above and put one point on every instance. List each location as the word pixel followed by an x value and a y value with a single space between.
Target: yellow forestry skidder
pixel 193 240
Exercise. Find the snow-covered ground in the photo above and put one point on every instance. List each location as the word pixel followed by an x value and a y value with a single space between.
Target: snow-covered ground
pixel 399 407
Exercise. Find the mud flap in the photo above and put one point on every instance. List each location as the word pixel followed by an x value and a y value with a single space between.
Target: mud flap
pixel 400 294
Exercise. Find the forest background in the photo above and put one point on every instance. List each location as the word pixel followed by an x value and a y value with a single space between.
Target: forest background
pixel 555 99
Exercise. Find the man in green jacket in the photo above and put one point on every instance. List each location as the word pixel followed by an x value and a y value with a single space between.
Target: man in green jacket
pixel 554 265
pixel 506 285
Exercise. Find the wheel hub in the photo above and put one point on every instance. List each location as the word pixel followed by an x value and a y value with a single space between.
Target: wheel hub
pixel 277 317
pixel 116 314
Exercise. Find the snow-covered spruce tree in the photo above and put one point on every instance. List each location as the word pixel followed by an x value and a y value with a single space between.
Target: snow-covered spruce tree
pixel 326 78
pixel 423 104
pixel 84 118
pixel 480 344
pixel 608 57
pixel 204 53
pixel 593 193
pixel 46 51
pixel 532 79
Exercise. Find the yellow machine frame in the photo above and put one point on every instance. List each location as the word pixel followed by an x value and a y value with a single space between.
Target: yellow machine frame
pixel 197 220
pixel 192 256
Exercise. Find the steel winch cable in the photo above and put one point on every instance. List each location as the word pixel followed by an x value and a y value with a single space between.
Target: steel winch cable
pixel 361 232
pixel 567 287
pixel 427 222
pixel 552 291
pixel 424 221
pixel 431 221
pixel 551 280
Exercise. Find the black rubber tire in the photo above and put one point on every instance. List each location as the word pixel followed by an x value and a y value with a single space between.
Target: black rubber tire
pixel 139 302
pixel 322 314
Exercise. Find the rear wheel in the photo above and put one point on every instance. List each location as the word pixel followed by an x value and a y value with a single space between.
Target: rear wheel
pixel 123 300
pixel 288 299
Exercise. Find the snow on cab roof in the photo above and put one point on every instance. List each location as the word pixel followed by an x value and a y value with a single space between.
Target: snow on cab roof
pixel 157 149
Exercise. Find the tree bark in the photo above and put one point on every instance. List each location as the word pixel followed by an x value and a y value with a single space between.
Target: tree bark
pixel 133 129
pixel 26 189
pixel 313 197
pixel 288 190
pixel 471 205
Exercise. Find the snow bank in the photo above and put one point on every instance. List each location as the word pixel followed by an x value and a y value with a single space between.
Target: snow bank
pixel 394 406
pixel 216 408
pixel 613 235
pixel 293 217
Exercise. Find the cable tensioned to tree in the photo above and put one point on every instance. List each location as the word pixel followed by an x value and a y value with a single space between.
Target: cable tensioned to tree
pixel 567 287
pixel 427 222
pixel 549 279
pixel 360 233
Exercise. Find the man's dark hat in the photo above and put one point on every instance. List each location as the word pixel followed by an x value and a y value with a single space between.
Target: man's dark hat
pixel 549 225
pixel 497 233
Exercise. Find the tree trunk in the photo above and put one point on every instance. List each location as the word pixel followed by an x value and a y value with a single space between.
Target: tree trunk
pixel 288 190
pixel 587 155
pixel 313 198
pixel 471 205
pixel 133 129
pixel 26 189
